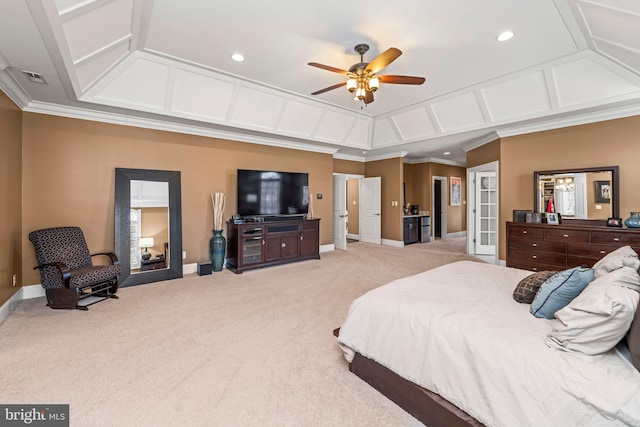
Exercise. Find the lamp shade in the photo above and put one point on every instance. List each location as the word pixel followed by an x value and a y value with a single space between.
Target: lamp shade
pixel 146 242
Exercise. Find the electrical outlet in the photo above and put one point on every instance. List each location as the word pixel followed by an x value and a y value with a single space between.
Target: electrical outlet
pixel 15 280
pixel 184 254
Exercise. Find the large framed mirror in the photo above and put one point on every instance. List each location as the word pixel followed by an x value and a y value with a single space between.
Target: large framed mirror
pixel 581 195
pixel 148 225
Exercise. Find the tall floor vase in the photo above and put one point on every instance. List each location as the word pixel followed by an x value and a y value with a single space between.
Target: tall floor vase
pixel 217 248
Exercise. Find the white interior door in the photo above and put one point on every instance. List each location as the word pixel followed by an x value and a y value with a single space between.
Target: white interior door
pixel 340 213
pixel 486 206
pixel 370 203
pixel 580 189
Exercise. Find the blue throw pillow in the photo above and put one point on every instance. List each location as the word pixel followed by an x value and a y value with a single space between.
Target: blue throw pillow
pixel 559 290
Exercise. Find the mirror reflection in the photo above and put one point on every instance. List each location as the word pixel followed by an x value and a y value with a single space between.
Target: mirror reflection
pixel 149 234
pixel 148 225
pixel 578 194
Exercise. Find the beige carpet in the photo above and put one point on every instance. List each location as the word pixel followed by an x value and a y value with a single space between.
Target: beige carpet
pixel 254 349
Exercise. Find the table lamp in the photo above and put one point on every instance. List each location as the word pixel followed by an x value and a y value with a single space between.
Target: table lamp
pixel 145 242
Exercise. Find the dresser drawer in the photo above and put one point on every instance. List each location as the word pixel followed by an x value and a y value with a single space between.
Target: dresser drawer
pixel 523 231
pixel 533 266
pixel 589 250
pixel 537 244
pixel 613 238
pixel 566 235
pixel 578 260
pixel 548 258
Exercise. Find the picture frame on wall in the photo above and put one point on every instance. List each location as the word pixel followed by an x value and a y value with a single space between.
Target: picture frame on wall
pixel 603 191
pixel 456 190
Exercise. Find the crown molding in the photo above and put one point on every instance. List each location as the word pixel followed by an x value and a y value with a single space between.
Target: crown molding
pixel 351 157
pixel 12 89
pixel 479 142
pixel 148 123
pixel 414 161
pixel 386 156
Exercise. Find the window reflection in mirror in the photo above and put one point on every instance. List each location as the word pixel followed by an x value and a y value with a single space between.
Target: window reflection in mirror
pixel 578 194
pixel 149 233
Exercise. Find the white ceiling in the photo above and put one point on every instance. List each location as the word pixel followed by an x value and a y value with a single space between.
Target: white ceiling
pixel 167 64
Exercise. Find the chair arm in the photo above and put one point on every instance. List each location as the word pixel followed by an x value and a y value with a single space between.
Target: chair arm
pixel 111 255
pixel 62 267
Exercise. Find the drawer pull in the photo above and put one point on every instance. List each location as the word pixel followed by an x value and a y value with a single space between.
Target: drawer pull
pixel 616 239
pixel 535 268
pixel 534 256
pixel 534 244
pixel 524 232
pixel 603 252
pixel 565 235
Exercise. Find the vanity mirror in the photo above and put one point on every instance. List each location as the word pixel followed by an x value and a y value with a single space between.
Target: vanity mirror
pixel 148 225
pixel 589 195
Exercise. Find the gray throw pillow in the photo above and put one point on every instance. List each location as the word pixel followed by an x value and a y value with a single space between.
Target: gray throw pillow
pixel 528 287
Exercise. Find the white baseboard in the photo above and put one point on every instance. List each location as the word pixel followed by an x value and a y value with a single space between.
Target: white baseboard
pixel 456 234
pixel 189 268
pixel 327 248
pixel 10 305
pixel 33 291
pixel 353 236
pixel 394 243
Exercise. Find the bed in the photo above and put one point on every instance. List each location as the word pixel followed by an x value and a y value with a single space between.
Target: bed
pixel 453 348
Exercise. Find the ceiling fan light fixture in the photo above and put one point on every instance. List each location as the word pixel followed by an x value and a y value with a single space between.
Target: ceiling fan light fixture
pixel 352 85
pixel 360 93
pixel 373 83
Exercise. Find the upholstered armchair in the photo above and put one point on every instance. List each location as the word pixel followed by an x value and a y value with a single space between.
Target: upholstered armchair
pixel 67 272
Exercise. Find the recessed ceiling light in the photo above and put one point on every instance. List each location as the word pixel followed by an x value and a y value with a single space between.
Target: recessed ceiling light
pixel 503 37
pixel 238 57
pixel 446 153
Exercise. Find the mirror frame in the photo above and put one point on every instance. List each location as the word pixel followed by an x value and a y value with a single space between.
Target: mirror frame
pixel 615 193
pixel 123 225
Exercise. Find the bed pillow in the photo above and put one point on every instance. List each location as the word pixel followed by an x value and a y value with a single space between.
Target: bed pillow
pixel 559 290
pixel 623 256
pixel 528 287
pixel 597 319
pixel 633 340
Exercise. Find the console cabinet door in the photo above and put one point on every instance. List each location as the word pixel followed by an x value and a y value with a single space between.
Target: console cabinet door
pixel 273 245
pixel 291 245
pixel 309 245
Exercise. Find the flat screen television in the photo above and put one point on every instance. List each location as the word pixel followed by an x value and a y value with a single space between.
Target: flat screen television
pixel 262 193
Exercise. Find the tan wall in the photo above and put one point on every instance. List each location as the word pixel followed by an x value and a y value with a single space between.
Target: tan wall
pixel 348 167
pixel 418 188
pixel 71 172
pixel 609 143
pixel 390 170
pixel 485 154
pixel 155 223
pixel 353 205
pixel 10 198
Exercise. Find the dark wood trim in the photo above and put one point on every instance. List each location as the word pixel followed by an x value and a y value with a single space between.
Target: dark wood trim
pixel 428 407
pixel 615 191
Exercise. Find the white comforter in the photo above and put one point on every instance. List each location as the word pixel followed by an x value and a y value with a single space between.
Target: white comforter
pixel 457 331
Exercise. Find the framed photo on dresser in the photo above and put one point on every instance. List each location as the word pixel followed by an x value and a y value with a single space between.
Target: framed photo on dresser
pixel 552 218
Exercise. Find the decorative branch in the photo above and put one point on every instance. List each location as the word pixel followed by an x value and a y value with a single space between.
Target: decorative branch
pixel 218 201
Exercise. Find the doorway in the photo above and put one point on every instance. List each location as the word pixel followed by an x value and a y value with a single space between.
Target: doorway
pixel 439 203
pixel 483 212
pixel 346 206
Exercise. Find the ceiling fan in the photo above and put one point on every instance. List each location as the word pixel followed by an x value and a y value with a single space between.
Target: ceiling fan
pixel 363 79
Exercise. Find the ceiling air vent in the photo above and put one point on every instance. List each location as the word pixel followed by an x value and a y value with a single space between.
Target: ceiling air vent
pixel 34 77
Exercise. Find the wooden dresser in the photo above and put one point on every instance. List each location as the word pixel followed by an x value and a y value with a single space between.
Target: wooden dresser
pixel 540 247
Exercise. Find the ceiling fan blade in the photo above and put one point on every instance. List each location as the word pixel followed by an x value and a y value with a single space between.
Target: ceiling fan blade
pixel 327 89
pixel 402 80
pixel 384 59
pixel 328 68
pixel 368 98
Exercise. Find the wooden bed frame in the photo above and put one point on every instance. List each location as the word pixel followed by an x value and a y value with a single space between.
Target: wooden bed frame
pixel 428 407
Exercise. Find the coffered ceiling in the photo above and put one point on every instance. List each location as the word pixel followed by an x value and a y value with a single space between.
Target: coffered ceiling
pixel 167 64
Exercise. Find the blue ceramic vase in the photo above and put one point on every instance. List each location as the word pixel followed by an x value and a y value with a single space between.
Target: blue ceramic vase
pixel 633 221
pixel 217 248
